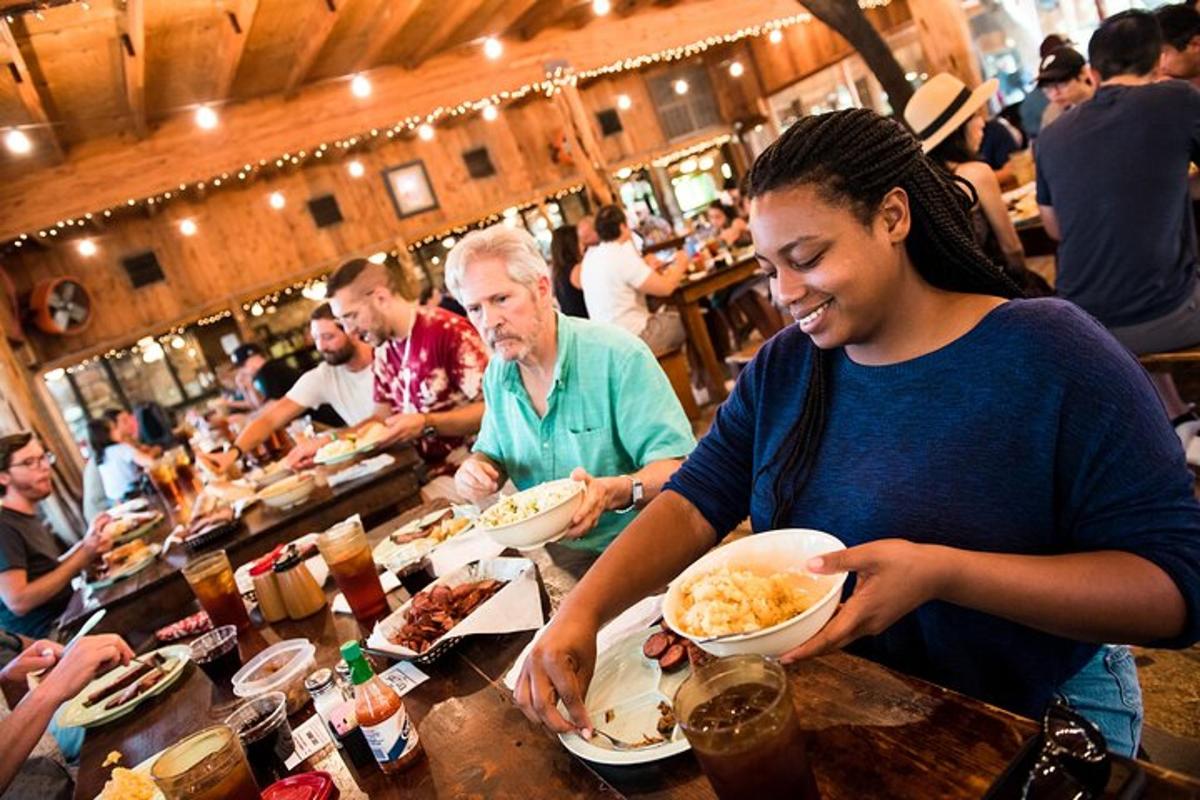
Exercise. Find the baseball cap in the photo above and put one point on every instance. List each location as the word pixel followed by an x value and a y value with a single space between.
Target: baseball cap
pixel 1062 64
pixel 242 354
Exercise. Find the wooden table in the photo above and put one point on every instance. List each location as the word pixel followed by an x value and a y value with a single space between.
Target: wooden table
pixel 376 497
pixel 687 299
pixel 873 732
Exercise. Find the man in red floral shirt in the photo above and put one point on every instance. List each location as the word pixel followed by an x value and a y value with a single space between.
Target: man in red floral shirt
pixel 429 364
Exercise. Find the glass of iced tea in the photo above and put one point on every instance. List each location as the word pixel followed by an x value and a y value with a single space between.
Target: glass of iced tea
pixel 348 553
pixel 211 579
pixel 209 765
pixel 737 713
pixel 162 474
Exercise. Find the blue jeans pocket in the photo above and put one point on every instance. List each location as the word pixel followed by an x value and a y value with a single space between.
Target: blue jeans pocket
pixel 1106 691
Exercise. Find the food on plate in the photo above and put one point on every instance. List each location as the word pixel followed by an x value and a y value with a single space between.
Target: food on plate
pixel 133 673
pixel 667 648
pixel 209 523
pixel 531 502
pixel 121 558
pixel 372 433
pixel 118 526
pixel 434 611
pixel 441 530
pixel 143 685
pixel 125 784
pixel 199 622
pixel 730 601
pixel 336 449
pixel 609 716
pixel 114 757
pixel 666 718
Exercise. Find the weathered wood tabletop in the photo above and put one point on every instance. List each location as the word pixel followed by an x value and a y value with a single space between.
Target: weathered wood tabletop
pixel 872 732
pixel 381 494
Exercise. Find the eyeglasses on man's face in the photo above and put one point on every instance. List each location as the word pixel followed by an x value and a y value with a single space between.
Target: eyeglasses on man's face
pixel 44 460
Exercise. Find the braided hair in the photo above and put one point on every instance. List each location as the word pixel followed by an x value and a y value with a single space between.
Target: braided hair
pixel 853 158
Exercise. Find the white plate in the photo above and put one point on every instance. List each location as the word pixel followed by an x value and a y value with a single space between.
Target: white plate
pixel 631 685
pixel 132 568
pixel 144 769
pixel 393 556
pixel 344 457
pixel 76 715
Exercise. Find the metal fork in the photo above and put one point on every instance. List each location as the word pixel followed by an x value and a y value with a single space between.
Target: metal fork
pixel 619 744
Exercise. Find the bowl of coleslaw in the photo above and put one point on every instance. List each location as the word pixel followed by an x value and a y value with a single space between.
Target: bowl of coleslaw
pixel 531 518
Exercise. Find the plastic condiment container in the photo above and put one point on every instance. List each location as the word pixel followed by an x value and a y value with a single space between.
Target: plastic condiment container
pixel 279 668
pixel 266 589
pixel 305 786
pixel 301 595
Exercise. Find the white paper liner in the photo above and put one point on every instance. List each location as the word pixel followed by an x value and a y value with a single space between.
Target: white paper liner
pixel 516 607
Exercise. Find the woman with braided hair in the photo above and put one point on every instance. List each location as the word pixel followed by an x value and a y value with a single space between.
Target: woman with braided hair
pixel 1010 491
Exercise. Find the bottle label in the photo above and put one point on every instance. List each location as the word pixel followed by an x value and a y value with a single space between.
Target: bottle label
pixel 391 739
pixel 342 718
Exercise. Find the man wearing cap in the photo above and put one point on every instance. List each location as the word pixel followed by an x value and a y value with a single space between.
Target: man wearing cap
pixel 1064 77
pixel 1180 25
pixel 258 379
pixel 1112 186
pixel 1035 102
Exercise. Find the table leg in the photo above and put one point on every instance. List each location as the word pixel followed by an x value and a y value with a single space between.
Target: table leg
pixel 697 333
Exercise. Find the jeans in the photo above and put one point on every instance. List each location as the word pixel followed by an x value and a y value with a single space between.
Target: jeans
pixel 1106 692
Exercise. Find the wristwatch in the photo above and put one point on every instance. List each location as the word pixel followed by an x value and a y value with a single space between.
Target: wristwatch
pixel 428 430
pixel 636 493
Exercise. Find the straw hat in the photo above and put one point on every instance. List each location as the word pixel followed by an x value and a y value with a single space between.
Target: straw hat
pixel 944 103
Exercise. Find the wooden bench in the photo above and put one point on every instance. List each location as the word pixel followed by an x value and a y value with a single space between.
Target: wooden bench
pixel 1172 358
pixel 675 364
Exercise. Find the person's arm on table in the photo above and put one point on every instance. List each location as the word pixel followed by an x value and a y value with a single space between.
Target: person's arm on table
pixel 663 284
pixel 276 415
pixel 613 492
pixel 79 664
pixel 22 595
pixel 640 561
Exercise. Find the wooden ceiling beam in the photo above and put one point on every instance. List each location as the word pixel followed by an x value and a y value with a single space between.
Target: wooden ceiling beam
pixel 542 16
pixel 397 15
pixel 36 104
pixel 319 25
pixel 495 17
pixel 447 21
pixel 101 173
pixel 239 14
pixel 133 62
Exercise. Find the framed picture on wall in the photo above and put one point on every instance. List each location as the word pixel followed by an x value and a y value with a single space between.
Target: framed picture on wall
pixel 409 186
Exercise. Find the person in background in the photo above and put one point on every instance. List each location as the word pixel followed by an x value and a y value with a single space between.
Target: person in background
pixel 586 228
pixel 120 458
pixel 35 573
pixel 566 267
pixel 552 372
pixel 343 380
pixel 731 228
pixel 261 380
pixel 30 765
pixel 616 281
pixel 1035 102
pixel 156 428
pixel 999 141
pixel 1066 80
pixel 946 118
pixel 1112 186
pixel 731 195
pixel 1180 24
pixel 434 297
pixel 429 367
pixel 95 501
pixel 653 229
pixel 1064 518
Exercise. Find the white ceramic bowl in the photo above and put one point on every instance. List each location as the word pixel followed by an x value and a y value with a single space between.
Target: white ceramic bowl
pixel 290 491
pixel 773 551
pixel 543 527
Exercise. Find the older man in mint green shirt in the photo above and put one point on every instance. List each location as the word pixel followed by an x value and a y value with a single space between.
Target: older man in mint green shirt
pixel 563 396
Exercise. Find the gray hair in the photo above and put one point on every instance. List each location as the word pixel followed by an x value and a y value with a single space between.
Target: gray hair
pixel 514 246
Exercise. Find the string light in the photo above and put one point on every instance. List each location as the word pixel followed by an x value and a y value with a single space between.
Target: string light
pixel 490 112
pixel 492 48
pixel 556 81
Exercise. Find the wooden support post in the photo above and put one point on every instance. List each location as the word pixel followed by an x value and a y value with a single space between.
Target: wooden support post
pixel 579 132
pixel 946 39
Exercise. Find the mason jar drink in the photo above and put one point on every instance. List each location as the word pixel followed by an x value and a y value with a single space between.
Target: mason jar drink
pixel 348 553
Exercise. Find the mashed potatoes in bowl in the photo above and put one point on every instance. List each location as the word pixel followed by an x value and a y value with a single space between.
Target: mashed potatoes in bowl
pixel 756 594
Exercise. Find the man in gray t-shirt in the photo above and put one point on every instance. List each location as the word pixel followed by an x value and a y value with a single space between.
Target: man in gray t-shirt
pixel 35 573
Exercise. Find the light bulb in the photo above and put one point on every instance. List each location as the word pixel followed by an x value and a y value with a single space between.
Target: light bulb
pixel 490 113
pixel 86 247
pixel 187 227
pixel 17 142
pixel 206 118
pixel 623 102
pixel 360 86
pixel 681 86
pixel 492 48
pixel 601 7
pixel 356 169
pixel 277 200
pixel 775 36
pixel 736 69
pixel 448 242
pixel 377 258
pixel 425 131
